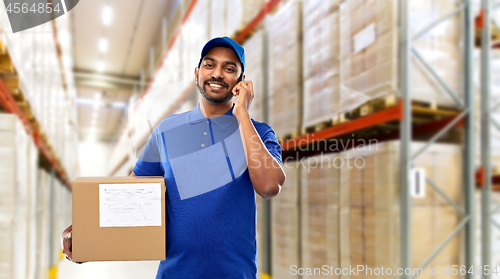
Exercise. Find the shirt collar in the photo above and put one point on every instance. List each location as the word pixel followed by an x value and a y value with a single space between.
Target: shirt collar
pixel 223 121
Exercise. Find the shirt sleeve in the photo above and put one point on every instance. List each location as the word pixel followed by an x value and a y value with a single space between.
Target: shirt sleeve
pixel 149 163
pixel 271 142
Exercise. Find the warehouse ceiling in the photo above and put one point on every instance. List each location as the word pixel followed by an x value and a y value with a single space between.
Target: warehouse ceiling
pixel 111 44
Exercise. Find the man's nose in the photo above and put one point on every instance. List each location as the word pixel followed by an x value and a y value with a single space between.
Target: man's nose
pixel 217 73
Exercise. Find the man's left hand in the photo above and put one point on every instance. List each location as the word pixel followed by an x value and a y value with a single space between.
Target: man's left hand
pixel 244 89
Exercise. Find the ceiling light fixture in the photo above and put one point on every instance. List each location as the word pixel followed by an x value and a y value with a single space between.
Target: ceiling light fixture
pixel 119 104
pixel 103 45
pixel 100 66
pixel 67 61
pixel 65 38
pixel 107 15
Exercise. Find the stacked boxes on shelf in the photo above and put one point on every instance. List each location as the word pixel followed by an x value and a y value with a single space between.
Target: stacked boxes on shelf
pixel 43 222
pixel 369 207
pixel 239 13
pixel 44 91
pixel 369 51
pixel 217 19
pixel 194 35
pixel 18 199
pixel 33 231
pixel 23 145
pixel 286 226
pixel 228 17
pixel 53 215
pixel 350 210
pixel 441 47
pixel 321 61
pixel 9 136
pixel 320 226
pixel 285 69
pixel 254 65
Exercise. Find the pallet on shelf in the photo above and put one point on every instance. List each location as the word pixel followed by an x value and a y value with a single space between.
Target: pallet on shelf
pixel 320 126
pixel 3 48
pixel 422 113
pixel 295 133
pixel 13 84
pixel 286 224
pixel 285 69
pixel 6 64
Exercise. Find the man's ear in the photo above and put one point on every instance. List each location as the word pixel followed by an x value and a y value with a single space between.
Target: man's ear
pixel 196 70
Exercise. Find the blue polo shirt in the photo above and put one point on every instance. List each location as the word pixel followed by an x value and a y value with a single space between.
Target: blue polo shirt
pixel 210 200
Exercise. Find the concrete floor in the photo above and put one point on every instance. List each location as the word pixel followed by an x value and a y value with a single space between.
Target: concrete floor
pixel 106 270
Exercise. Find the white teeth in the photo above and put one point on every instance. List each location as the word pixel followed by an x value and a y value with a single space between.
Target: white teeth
pixel 215 85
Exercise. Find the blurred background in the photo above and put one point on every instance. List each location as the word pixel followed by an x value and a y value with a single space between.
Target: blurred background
pixel 386 111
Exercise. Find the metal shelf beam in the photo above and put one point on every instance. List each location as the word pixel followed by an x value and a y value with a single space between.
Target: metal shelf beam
pixel 486 238
pixel 469 146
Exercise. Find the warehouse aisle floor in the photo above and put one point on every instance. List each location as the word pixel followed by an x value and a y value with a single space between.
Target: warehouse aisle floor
pixel 106 270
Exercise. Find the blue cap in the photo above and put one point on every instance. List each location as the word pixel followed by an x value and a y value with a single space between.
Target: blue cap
pixel 224 42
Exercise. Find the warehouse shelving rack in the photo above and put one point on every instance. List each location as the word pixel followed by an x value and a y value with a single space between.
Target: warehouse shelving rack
pixel 467 223
pixel 403 113
pixel 487 121
pixel 9 91
pixel 30 124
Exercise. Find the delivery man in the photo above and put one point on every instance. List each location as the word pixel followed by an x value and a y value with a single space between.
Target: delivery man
pixel 213 158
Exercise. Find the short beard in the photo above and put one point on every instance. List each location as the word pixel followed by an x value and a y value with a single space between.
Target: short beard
pixel 228 97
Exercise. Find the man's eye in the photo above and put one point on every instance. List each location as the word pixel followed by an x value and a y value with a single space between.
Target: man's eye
pixel 209 65
pixel 229 69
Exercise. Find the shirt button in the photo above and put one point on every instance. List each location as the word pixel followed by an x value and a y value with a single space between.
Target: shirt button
pixel 208 122
pixel 204 133
pixel 202 145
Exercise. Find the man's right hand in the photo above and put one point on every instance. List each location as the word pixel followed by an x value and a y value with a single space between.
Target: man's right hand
pixel 67 242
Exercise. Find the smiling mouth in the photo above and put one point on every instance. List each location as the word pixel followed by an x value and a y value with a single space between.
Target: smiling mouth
pixel 215 86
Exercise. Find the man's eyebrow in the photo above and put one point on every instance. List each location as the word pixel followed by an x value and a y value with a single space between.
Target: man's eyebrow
pixel 231 63
pixel 225 62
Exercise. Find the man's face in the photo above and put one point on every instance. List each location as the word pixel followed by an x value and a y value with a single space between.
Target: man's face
pixel 218 73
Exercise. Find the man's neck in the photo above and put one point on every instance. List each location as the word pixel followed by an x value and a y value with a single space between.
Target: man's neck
pixel 211 110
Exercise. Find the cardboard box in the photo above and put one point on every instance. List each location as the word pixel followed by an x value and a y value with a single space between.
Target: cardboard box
pixel 127 227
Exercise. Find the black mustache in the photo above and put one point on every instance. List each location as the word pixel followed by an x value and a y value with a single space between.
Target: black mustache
pixel 216 80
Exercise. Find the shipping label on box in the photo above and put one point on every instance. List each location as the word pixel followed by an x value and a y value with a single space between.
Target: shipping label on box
pixel 130 205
